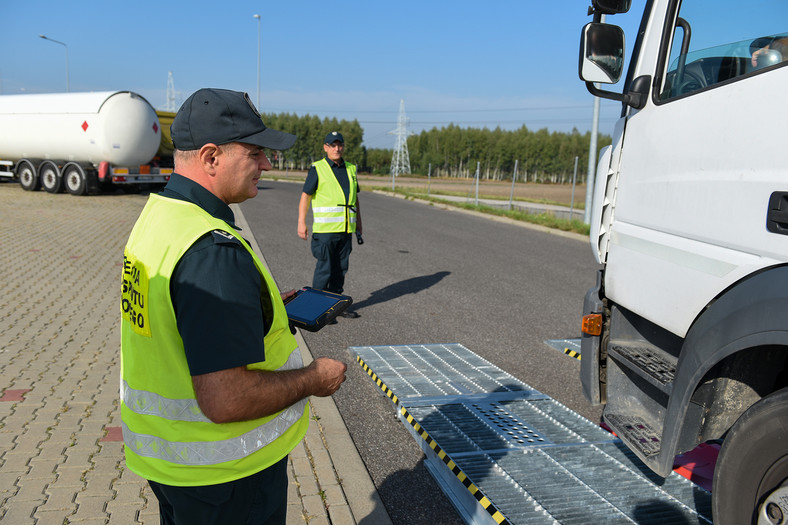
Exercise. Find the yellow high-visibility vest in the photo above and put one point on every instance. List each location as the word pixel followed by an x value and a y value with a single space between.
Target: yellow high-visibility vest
pixel 332 212
pixel 167 437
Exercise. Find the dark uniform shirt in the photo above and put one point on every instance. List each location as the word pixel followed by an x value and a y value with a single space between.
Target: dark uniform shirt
pixel 340 172
pixel 216 291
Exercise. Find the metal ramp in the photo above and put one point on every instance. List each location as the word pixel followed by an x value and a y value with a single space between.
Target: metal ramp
pixel 570 347
pixel 506 453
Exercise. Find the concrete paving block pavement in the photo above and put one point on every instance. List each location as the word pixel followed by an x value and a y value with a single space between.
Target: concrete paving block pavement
pixel 61 460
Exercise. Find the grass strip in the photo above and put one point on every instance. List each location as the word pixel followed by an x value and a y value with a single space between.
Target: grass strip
pixel 545 219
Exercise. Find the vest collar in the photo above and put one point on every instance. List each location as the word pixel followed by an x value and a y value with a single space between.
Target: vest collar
pixel 333 164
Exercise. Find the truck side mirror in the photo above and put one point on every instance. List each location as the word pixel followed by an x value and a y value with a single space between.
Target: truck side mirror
pixel 611 7
pixel 601 53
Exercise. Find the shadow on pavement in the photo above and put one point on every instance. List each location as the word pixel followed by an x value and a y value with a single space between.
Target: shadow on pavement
pixel 408 286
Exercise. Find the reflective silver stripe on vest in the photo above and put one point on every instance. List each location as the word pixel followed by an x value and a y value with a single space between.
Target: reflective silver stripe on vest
pixel 212 452
pixel 202 452
pixel 328 209
pixel 153 404
pixel 334 219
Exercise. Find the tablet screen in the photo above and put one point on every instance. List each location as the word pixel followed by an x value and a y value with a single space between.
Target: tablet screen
pixel 309 306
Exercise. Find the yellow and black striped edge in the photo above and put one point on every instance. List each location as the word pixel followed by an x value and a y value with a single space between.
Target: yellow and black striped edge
pixel 486 504
pixel 572 353
pixel 386 390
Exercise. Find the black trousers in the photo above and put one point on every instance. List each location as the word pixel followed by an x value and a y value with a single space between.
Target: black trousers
pixel 259 499
pixel 332 251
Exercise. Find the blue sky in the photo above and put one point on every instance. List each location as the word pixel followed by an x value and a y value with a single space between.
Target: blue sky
pixel 474 64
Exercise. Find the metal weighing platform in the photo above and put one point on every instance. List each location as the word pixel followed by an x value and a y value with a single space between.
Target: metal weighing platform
pixel 570 347
pixel 506 453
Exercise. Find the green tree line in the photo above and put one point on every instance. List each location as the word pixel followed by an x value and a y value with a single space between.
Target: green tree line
pixel 451 151
pixel 311 132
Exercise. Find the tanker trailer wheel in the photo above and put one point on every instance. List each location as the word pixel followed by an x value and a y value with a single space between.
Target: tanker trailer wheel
pixel 76 179
pixel 28 178
pixel 751 475
pixel 51 180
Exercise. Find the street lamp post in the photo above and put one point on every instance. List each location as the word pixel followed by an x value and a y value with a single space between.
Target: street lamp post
pixel 68 83
pixel 258 61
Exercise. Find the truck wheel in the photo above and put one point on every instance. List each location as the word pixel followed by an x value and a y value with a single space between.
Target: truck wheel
pixel 28 178
pixel 76 181
pixel 51 180
pixel 753 465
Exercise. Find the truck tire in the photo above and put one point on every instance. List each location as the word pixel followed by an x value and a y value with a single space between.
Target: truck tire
pixel 76 179
pixel 51 179
pixel 28 178
pixel 753 462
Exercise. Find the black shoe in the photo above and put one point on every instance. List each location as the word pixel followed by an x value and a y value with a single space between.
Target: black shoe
pixel 349 315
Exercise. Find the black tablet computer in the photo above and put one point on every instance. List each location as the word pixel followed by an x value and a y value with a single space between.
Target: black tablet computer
pixel 312 309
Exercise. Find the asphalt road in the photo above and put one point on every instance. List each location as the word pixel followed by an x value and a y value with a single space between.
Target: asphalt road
pixel 430 275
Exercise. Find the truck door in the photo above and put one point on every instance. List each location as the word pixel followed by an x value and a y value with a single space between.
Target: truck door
pixel 719 91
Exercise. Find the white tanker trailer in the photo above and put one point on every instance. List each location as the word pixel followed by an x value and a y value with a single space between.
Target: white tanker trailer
pixel 81 142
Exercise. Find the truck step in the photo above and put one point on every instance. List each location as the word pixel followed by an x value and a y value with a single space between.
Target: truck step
pixel 635 431
pixel 657 368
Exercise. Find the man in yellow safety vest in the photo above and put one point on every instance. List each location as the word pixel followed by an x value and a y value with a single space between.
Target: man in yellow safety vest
pixel 332 189
pixel 213 388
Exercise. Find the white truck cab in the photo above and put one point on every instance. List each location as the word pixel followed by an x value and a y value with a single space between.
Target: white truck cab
pixel 686 332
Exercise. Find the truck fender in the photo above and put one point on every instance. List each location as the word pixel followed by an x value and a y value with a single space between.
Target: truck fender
pixel 591 349
pixel 103 171
pixel 751 313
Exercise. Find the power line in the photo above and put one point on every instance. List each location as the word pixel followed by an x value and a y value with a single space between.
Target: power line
pixel 460 110
pixel 539 108
pixel 486 122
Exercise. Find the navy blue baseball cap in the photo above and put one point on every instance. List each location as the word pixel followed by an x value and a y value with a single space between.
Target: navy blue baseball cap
pixel 221 116
pixel 334 136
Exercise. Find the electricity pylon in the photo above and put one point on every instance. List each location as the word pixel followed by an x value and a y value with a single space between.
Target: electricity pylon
pixel 400 161
pixel 171 94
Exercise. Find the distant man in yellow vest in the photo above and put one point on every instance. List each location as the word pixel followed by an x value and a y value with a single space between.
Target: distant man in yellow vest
pixel 332 189
pixel 213 389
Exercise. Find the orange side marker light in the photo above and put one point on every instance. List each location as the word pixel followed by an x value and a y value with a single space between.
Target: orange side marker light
pixel 592 324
